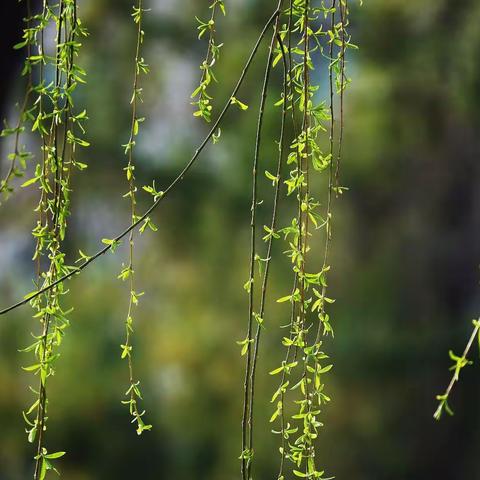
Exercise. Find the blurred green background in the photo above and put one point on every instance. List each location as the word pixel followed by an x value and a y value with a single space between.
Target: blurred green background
pixel 405 254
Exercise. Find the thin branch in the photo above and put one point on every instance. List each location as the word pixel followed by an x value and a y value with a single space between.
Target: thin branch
pixel 52 297
pixel 328 219
pixel 287 83
pixel 461 362
pixel 177 180
pixel 273 225
pixel 249 389
pixel 343 21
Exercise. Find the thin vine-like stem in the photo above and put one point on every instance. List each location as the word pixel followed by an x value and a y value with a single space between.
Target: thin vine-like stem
pixel 294 325
pixel 343 20
pixel 54 113
pixel 178 179
pixel 308 447
pixel 288 75
pixel 305 169
pixel 51 296
pixel 133 393
pixel 460 363
pixel 247 415
pixel 331 175
pixel 66 23
pixel 273 225
pixel 201 99
pixel 41 222
pixel 298 441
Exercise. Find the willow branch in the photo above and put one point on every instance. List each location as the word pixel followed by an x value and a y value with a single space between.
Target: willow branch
pixel 273 225
pixel 461 362
pixel 343 14
pixel 251 356
pixel 287 83
pixel 172 185
pixel 328 220
pixel 52 298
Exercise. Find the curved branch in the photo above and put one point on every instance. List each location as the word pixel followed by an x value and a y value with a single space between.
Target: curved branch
pixel 177 180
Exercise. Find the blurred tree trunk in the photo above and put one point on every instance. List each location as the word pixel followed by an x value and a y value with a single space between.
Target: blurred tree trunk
pixel 13 13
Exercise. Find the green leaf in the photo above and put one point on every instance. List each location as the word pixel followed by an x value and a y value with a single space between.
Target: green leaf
pixel 277 370
pixel 52 456
pixel 43 469
pixel 287 298
pixel 325 369
pixel 33 407
pixel 271 177
pixel 126 349
pixel 29 182
pixel 111 242
pixel 244 344
pixel 299 474
pixel 240 104
pixel 247 286
pixel 31 368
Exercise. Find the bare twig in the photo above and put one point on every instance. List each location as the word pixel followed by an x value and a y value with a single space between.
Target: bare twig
pixel 249 384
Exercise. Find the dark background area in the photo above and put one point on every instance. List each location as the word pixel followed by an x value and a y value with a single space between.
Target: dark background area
pixel 405 255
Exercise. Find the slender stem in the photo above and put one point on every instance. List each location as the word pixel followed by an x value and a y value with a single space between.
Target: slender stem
pixel 133 388
pixel 455 376
pixel 343 14
pixel 211 41
pixel 273 225
pixel 42 221
pixel 247 424
pixel 305 224
pixel 287 85
pixel 54 249
pixel 305 187
pixel 328 219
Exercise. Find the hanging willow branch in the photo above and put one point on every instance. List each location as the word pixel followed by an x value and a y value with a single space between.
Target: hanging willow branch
pixel 341 85
pixel 459 363
pixel 60 130
pixel 247 416
pixel 201 98
pixel 305 149
pixel 271 235
pixel 279 395
pixel 304 358
pixel 133 392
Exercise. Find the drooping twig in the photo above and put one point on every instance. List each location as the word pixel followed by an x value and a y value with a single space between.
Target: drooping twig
pixel 57 163
pixel 331 173
pixel 460 362
pixel 133 393
pixel 288 75
pixel 247 416
pixel 201 99
pixel 343 23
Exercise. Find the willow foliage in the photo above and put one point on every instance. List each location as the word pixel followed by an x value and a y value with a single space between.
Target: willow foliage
pixel 308 50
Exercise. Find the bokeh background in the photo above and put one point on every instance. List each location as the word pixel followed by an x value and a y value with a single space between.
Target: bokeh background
pixel 405 255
